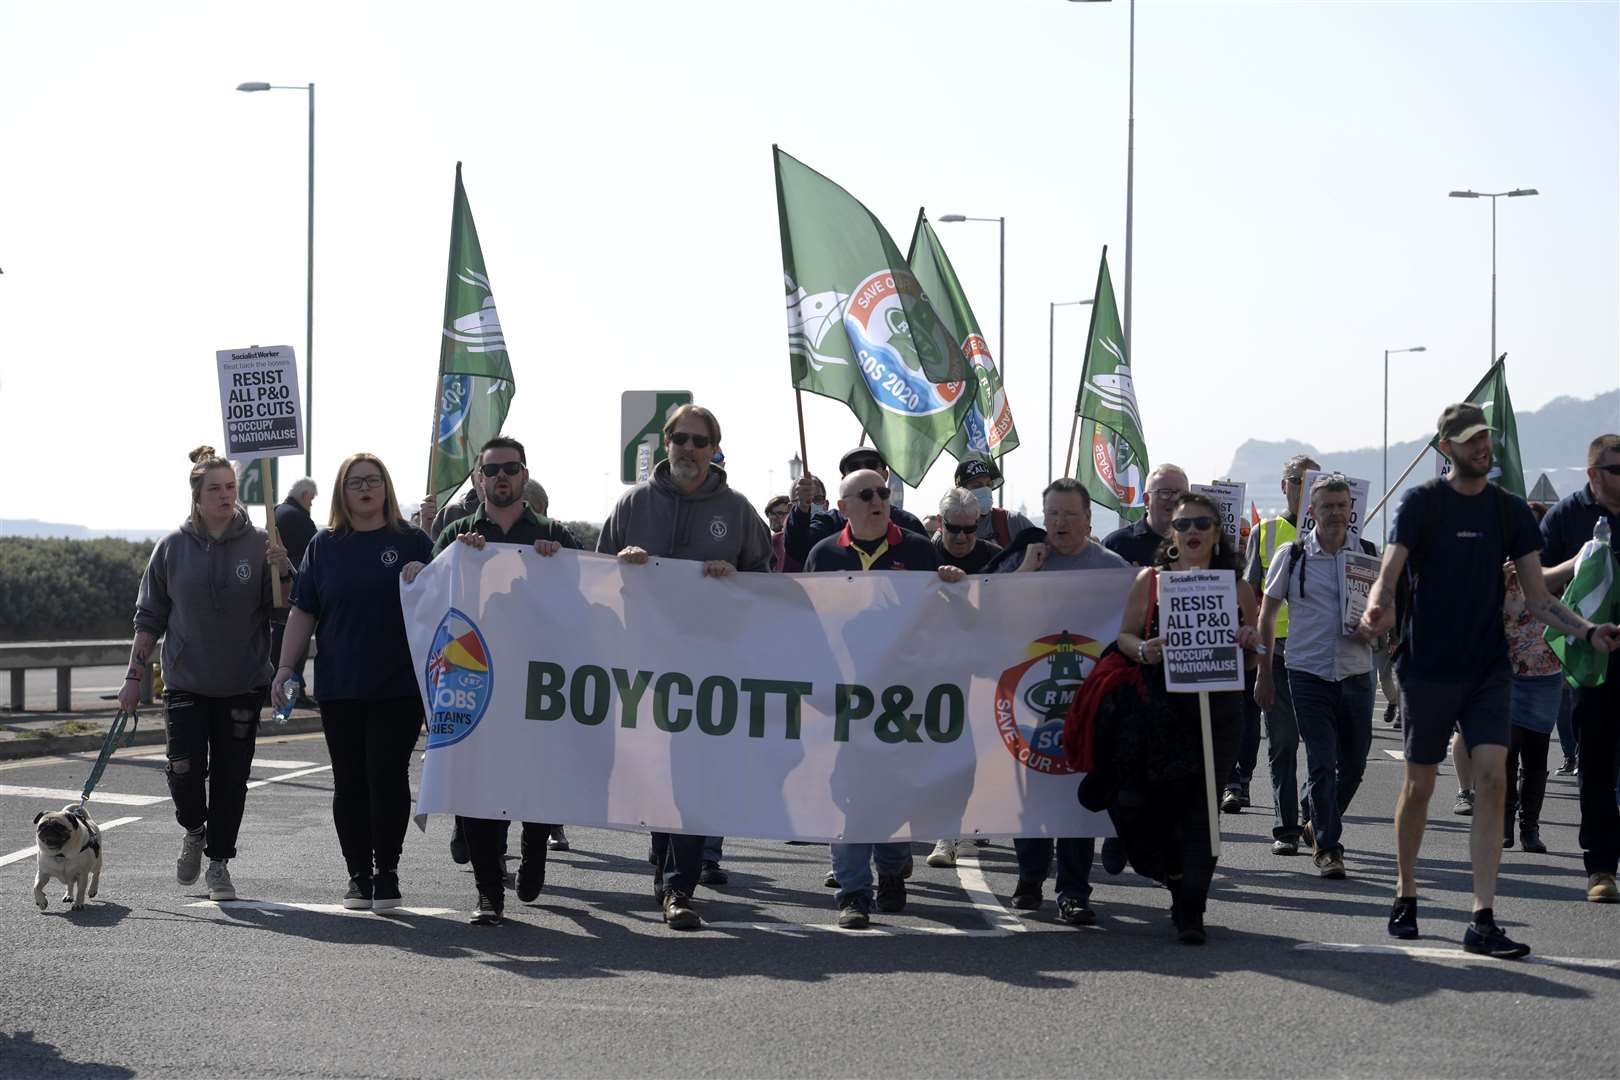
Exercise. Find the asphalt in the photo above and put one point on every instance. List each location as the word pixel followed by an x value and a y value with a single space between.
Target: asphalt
pixel 154 980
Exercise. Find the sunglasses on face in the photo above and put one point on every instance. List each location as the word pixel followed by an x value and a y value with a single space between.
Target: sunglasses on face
pixel 681 438
pixel 510 468
pixel 1612 470
pixel 961 530
pixel 1188 524
pixel 867 494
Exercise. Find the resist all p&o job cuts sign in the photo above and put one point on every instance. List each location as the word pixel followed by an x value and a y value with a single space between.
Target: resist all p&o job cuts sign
pixel 258 402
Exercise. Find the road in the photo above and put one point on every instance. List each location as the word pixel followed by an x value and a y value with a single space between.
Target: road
pixel 1299 976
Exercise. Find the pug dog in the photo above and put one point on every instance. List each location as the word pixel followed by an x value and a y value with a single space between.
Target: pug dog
pixel 70 850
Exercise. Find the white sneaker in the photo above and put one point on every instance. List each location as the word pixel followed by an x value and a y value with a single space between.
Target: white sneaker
pixel 219 881
pixel 189 864
pixel 944 853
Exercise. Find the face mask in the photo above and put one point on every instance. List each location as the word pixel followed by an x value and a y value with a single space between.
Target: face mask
pixel 984 498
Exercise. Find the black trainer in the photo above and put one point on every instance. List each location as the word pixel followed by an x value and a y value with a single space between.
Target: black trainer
pixel 891 893
pixel 489 911
pixel 1403 918
pixel 1026 895
pixel 1073 911
pixel 531 878
pixel 712 875
pixel 856 914
pixel 1492 941
pixel 1189 927
pixel 358 898
pixel 385 890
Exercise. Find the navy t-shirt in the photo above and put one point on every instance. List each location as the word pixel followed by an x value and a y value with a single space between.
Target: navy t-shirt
pixel 349 582
pixel 1455 631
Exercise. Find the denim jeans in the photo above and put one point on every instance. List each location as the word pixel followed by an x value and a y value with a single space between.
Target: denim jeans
pixel 1335 722
pixel 1282 750
pixel 1568 741
pixel 210 751
pixel 677 860
pixel 1074 855
pixel 852 866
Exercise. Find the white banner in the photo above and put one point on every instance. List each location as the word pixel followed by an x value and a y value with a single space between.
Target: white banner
pixel 858 707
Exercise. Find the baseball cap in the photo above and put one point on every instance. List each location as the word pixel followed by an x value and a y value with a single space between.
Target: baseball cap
pixel 860 452
pixel 973 468
pixel 1462 422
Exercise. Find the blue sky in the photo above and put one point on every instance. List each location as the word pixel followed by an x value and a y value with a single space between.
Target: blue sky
pixel 1292 164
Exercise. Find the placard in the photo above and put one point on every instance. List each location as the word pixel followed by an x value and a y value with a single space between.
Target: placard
pixel 1360 571
pixel 1228 495
pixel 1359 490
pixel 258 402
pixel 1198 618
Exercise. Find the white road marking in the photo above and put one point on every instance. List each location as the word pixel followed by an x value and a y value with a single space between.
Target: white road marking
pixel 1398 755
pixel 258 763
pixel 1421 952
pixel 984 899
pixel 278 907
pixel 288 776
pixel 873 931
pixel 64 795
pixel 28 852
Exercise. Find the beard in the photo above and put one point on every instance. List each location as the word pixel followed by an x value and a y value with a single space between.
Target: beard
pixel 1466 469
pixel 502 500
pixel 684 470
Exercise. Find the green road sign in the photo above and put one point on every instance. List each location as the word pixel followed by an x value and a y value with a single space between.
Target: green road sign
pixel 641 429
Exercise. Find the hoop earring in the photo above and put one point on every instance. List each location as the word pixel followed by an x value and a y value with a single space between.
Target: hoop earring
pixel 1172 553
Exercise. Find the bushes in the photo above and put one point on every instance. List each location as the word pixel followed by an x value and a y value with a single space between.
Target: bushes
pixel 52 589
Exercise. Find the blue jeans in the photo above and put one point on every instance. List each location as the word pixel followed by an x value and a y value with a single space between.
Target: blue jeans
pixel 1074 855
pixel 1567 740
pixel 1282 751
pixel 713 848
pixel 852 866
pixel 1335 721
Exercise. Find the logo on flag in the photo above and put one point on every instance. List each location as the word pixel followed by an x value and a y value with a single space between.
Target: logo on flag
pixel 479 330
pixel 875 320
pixel 1117 466
pixel 460 680
pixel 1032 698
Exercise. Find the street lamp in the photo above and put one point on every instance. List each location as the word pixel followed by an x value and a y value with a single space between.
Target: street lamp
pixel 1387 354
pixel 1051 329
pixel 1493 196
pixel 795 469
pixel 309 278
pixel 1001 313
pixel 1130 169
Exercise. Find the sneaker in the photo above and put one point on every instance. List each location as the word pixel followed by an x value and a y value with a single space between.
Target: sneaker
pixel 489 911
pixel 712 875
pixel 189 864
pixel 1567 768
pixel 831 880
pixel 981 843
pixel 531 878
pixel 358 898
pixel 1285 847
pixel 1403 918
pixel 558 840
pixel 1113 855
pixel 1329 864
pixel 385 890
pixel 1231 802
pixel 1026 895
pixel 1491 941
pixel 1600 888
pixel 1530 840
pixel 1464 806
pixel 891 893
pixel 943 855
pixel 1392 714
pixel 856 914
pixel 458 845
pixel 219 881
pixel 1072 911
pixel 1189 927
pixel 678 913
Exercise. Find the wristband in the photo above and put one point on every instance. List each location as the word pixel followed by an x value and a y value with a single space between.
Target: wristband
pixel 1141 652
pixel 1590 630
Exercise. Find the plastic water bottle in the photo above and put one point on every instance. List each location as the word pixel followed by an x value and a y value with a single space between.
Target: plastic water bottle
pixel 293 688
pixel 1600 532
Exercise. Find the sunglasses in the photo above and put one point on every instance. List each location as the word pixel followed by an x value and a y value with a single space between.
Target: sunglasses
pixel 866 494
pixel 1188 524
pixel 961 530
pixel 1612 470
pixel 681 438
pixel 510 468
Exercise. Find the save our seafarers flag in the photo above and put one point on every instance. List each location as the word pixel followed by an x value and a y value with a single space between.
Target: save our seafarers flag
pixel 1113 461
pixel 1491 395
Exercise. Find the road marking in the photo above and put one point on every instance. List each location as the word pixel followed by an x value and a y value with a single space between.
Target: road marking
pixel 29 852
pixel 160 755
pixel 65 795
pixel 1398 755
pixel 969 873
pixel 278 907
pixel 1420 952
pixel 873 931
pixel 288 776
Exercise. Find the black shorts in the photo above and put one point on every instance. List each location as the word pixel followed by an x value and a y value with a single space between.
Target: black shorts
pixel 1431 711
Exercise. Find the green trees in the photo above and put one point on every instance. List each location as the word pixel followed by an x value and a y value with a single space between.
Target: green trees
pixel 52 589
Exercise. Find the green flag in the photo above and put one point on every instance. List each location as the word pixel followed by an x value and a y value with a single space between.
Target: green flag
pixel 249 489
pixel 1491 395
pixel 1113 455
pixel 860 328
pixel 987 431
pixel 1594 594
pixel 475 374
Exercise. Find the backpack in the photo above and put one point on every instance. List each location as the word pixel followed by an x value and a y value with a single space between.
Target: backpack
pixel 1296 553
pixel 1000 525
pixel 1406 586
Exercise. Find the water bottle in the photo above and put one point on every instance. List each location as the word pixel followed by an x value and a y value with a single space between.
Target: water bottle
pixel 293 688
pixel 1600 532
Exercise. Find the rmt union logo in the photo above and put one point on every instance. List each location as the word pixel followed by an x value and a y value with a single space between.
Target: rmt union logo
pixel 1038 691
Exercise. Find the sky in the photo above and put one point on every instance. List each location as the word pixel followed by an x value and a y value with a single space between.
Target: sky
pixel 1291 217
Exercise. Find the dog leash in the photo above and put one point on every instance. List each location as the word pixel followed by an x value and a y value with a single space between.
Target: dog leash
pixel 123 719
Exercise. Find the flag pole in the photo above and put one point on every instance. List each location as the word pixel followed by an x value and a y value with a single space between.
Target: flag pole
pixel 804 454
pixel 1068 450
pixel 1379 506
pixel 1211 809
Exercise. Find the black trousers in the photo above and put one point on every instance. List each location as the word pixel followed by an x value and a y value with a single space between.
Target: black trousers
pixel 677 860
pixel 370 743
pixel 1597 723
pixel 1527 754
pixel 209 744
pixel 486 849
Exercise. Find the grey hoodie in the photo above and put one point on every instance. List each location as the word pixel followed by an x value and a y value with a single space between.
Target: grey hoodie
pixel 210 602
pixel 713 522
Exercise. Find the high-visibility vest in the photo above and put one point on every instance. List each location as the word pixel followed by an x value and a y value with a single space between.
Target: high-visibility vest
pixel 1276 533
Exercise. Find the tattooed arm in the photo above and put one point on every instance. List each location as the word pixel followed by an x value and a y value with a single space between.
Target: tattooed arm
pixel 1550 610
pixel 140 658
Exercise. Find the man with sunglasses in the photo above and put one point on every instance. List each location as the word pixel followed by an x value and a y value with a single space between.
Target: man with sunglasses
pixel 687 511
pixel 503 517
pixel 1564 530
pixel 806 526
pixel 1138 543
pixel 958 543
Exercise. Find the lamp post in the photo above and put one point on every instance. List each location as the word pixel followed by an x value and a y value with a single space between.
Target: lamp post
pixel 1130 168
pixel 1051 331
pixel 1493 196
pixel 1001 312
pixel 1387 354
pixel 309 278
pixel 795 469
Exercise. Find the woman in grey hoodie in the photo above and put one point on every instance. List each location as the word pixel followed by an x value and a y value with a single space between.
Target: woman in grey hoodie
pixel 206 593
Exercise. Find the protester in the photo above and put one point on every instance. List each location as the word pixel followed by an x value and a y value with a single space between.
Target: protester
pixel 1454 535
pixel 295 529
pixel 871 541
pixel 1596 715
pixel 1329 671
pixel 206 593
pixel 786 563
pixel 807 526
pixel 982 476
pixel 370 702
pixel 1138 543
pixel 1164 828
pixel 776 512
pixel 958 543
pixel 686 510
pixel 502 518
pixel 1538 691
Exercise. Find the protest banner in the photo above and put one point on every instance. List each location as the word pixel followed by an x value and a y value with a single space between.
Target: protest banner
pixel 847 707
pixel 642 414
pixel 258 405
pixel 1228 495
pixel 1359 492
pixel 1360 572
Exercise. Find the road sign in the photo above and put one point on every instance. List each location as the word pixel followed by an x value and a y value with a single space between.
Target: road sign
pixel 641 429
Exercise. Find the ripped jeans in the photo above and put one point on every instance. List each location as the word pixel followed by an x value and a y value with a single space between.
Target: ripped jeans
pixel 210 742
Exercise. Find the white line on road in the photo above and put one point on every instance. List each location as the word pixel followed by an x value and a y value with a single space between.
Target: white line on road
pixel 274 907
pixel 984 899
pixel 19 856
pixel 1420 952
pixel 160 755
pixel 288 776
pixel 65 795
pixel 873 931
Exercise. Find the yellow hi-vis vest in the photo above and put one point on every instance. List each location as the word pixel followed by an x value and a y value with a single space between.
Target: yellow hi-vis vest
pixel 1276 533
